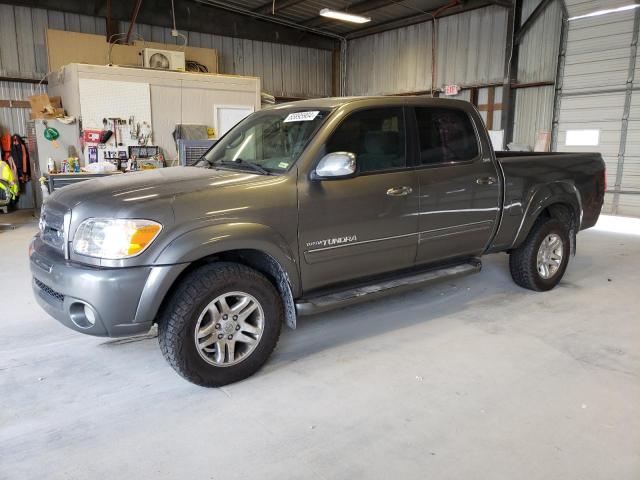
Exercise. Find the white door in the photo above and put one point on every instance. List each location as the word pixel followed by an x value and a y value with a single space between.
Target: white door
pixel 227 116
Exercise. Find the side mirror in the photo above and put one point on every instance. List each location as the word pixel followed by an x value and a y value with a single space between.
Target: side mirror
pixel 334 166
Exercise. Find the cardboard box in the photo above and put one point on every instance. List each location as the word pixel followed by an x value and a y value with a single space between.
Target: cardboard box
pixel 44 107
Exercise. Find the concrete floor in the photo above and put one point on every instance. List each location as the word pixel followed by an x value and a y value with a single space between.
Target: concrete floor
pixel 475 378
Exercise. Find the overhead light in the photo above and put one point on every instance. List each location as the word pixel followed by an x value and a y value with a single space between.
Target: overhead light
pixel 345 17
pixel 605 12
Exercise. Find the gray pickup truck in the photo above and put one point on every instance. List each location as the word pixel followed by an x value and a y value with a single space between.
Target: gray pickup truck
pixel 300 208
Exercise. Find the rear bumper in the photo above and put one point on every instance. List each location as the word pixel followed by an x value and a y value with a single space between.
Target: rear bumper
pixel 95 301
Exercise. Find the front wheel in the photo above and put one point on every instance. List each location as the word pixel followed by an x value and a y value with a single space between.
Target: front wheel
pixel 221 324
pixel 540 262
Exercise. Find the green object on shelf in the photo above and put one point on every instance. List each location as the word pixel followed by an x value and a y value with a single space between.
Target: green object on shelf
pixel 51 133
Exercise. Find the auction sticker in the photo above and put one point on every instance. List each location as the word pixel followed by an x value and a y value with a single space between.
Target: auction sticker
pixel 301 116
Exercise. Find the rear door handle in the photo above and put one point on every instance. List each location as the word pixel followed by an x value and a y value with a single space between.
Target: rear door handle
pixel 399 191
pixel 486 180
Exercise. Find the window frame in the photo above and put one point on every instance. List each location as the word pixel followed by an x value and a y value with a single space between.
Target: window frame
pixel 417 165
pixel 408 141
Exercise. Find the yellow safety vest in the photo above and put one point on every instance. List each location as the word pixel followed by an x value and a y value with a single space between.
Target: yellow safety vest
pixel 6 174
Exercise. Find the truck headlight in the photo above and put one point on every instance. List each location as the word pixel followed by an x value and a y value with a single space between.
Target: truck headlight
pixel 114 238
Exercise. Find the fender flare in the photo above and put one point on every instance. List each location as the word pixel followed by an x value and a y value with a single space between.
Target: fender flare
pixel 562 192
pixel 208 240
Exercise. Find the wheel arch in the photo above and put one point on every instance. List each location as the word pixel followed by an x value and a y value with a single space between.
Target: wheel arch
pixel 253 245
pixel 560 200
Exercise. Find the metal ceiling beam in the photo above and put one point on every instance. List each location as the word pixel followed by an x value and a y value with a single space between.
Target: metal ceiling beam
pixel 134 17
pixel 466 6
pixel 275 6
pixel 531 20
pixel 268 18
pixel 196 17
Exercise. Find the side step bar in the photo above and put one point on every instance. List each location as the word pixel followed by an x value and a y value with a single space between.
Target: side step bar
pixel 362 293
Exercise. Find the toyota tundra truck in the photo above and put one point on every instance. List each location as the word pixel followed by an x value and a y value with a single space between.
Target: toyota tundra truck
pixel 301 208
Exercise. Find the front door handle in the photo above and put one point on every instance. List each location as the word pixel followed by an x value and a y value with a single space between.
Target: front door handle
pixel 486 180
pixel 399 191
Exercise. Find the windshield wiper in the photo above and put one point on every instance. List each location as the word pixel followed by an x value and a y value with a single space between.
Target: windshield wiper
pixel 241 163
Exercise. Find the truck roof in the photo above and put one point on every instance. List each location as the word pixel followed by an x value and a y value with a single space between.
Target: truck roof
pixel 333 102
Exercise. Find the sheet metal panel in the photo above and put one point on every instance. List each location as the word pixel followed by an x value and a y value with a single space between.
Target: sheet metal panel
pixel 470 51
pixel 23 51
pixel 593 96
pixel 600 112
pixel 285 70
pixel 598 53
pixel 14 120
pixel 396 61
pixel 534 112
pixel 471 47
pixel 539 46
pixel 631 171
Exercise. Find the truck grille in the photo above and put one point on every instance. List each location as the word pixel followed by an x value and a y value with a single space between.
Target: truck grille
pixel 49 291
pixel 52 227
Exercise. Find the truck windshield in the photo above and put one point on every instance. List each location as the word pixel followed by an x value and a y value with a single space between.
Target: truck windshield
pixel 269 141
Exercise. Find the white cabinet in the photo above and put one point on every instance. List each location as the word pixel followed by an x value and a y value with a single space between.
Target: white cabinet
pixel 175 97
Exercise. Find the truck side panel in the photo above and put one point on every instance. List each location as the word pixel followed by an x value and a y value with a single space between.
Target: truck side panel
pixel 534 181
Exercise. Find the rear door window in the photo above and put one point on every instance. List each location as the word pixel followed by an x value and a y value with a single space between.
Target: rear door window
pixel 375 136
pixel 446 135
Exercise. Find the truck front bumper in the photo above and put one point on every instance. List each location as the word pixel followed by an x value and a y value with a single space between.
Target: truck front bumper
pixel 104 302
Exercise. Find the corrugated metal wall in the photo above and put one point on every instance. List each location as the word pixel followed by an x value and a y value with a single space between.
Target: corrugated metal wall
pixel 596 83
pixel 23 53
pixel 14 120
pixel 471 47
pixel 537 62
pixel 285 70
pixel 470 51
pixel 396 61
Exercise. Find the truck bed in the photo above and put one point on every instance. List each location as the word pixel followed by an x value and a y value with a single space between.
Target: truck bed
pixel 530 178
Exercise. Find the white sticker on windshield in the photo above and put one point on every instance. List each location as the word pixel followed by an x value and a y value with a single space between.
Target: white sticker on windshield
pixel 301 116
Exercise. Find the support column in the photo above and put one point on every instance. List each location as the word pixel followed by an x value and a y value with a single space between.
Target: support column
pixel 625 113
pixel 510 72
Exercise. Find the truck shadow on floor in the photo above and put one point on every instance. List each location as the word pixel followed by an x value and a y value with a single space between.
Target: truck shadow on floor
pixel 325 331
pixel 490 290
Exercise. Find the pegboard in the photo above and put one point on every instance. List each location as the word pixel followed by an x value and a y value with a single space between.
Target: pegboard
pixel 112 99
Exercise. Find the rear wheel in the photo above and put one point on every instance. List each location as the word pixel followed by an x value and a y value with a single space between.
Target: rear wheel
pixel 221 325
pixel 540 262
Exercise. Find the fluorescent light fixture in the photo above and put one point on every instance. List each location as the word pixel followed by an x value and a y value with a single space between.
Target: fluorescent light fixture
pixel 582 138
pixel 605 12
pixel 344 16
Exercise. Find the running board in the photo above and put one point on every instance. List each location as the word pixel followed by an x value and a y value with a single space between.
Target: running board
pixel 362 293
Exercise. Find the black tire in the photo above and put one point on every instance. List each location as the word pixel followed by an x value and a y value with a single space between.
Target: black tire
pixel 523 260
pixel 177 322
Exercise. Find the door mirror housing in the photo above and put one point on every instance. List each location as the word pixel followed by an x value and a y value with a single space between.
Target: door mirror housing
pixel 335 166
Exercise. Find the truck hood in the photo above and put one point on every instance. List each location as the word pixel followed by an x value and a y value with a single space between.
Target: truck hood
pixel 149 186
